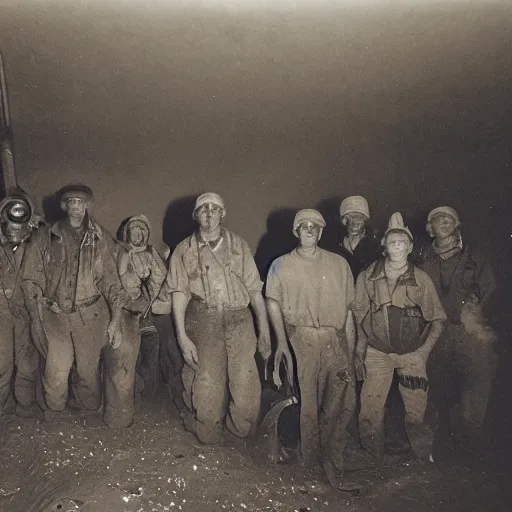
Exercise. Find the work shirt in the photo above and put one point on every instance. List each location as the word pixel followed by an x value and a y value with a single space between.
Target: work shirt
pixel 12 263
pixel 458 277
pixel 395 321
pixel 73 268
pixel 144 272
pixel 312 292
pixel 366 252
pixel 221 273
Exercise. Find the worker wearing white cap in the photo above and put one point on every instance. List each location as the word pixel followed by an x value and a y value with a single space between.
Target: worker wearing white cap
pixel 463 364
pixel 399 319
pixel 309 292
pixel 213 278
pixel 359 247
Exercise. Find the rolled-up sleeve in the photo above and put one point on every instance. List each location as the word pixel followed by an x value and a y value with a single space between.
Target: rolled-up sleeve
pixel 273 286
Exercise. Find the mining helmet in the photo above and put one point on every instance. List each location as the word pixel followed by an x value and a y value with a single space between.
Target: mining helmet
pixel 17 210
pixel 355 204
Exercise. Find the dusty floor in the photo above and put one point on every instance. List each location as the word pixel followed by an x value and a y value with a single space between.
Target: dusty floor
pixel 156 466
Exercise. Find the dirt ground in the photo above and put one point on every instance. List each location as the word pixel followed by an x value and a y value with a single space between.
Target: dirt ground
pixel 156 466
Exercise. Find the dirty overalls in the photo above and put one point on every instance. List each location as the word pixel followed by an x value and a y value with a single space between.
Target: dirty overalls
pixel 396 324
pixel 224 391
pixel 18 355
pixel 314 296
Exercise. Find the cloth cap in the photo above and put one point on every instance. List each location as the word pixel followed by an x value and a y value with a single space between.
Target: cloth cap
pixel 209 197
pixel 307 215
pixel 355 204
pixel 444 210
pixel 396 223
pixel 77 190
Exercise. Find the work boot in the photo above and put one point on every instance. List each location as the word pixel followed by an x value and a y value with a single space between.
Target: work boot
pixel 32 411
pixel 230 439
pixel 338 480
pixel 94 421
pixel 9 406
pixel 51 416
pixel 77 410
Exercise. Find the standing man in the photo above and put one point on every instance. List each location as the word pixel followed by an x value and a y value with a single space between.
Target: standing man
pixel 71 278
pixel 18 355
pixel 464 361
pixel 213 279
pixel 399 319
pixel 309 292
pixel 359 247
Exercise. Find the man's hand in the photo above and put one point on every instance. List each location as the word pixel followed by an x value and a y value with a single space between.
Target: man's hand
pixel 264 346
pixel 413 359
pixel 114 334
pixel 189 351
pixel 420 354
pixel 283 352
pixel 359 367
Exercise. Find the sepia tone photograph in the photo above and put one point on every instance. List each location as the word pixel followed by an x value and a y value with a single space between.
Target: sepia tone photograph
pixel 255 255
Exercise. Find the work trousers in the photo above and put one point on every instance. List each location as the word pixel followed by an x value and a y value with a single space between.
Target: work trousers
pixel 225 389
pixel 327 393
pixel 148 364
pixel 78 338
pixel 462 369
pixel 18 358
pixel 413 385
pixel 119 373
pixel 171 359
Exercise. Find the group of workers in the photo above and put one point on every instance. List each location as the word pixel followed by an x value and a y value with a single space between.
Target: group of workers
pixel 81 312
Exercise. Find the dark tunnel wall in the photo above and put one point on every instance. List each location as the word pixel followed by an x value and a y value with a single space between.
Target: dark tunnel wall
pixel 152 103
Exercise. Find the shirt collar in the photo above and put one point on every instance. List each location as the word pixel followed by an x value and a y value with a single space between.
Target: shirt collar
pixel 407 278
pixel 91 227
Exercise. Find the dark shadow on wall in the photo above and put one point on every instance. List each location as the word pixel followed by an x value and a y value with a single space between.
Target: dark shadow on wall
pixel 178 222
pixel 332 234
pixel 278 239
pixel 51 208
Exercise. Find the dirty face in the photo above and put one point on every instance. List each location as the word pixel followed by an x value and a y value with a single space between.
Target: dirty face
pixel 137 235
pixel 443 226
pixel 355 223
pixel 209 216
pixel 76 207
pixel 309 234
pixel 398 246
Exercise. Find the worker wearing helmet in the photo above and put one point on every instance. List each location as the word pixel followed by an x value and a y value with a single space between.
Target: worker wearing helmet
pixel 359 246
pixel 18 355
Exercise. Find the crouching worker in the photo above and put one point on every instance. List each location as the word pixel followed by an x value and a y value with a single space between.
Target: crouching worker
pixel 213 279
pixel 309 292
pixel 399 318
pixel 142 273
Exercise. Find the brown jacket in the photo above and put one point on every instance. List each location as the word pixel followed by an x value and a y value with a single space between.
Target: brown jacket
pixel 48 263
